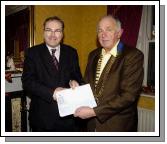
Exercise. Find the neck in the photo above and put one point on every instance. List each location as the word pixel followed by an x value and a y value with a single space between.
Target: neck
pixel 107 49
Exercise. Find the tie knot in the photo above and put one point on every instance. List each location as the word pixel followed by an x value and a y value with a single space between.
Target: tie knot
pixel 53 51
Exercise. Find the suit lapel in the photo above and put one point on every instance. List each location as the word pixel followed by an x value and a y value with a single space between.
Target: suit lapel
pixel 120 50
pixel 62 59
pixel 47 60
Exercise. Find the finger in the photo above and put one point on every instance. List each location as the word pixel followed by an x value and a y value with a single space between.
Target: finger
pixel 61 88
pixel 72 84
pixel 75 83
pixel 75 114
pixel 54 97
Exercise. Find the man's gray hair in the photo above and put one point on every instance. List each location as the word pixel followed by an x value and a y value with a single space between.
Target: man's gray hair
pixel 118 22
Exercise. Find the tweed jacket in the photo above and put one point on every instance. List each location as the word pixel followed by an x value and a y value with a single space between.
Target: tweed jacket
pixel 117 107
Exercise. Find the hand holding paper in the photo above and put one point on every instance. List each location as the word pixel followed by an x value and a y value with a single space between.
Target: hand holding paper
pixel 70 99
pixel 55 91
pixel 84 112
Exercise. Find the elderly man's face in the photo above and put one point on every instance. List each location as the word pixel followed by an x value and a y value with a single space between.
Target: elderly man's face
pixel 108 33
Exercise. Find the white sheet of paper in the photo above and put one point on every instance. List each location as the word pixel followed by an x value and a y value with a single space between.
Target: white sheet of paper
pixel 70 99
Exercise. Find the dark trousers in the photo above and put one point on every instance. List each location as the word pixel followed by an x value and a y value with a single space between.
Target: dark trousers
pixel 35 129
pixel 70 125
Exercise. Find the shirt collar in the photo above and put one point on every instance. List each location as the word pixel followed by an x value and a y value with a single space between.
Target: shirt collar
pixel 113 51
pixel 57 48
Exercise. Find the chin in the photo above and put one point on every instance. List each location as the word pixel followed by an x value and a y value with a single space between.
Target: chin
pixel 106 46
pixel 53 45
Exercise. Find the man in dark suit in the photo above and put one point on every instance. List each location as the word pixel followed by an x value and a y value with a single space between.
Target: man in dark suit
pixel 115 73
pixel 45 73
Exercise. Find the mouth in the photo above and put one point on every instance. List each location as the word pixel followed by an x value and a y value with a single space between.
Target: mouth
pixel 105 40
pixel 53 39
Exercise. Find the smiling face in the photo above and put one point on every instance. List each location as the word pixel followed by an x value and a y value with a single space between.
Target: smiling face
pixel 108 32
pixel 53 33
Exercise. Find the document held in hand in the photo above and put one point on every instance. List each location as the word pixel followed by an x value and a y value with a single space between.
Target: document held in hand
pixel 70 99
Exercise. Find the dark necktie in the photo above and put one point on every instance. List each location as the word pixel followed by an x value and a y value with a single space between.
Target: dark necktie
pixel 56 63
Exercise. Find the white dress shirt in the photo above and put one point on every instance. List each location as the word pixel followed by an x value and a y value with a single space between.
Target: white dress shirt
pixel 57 53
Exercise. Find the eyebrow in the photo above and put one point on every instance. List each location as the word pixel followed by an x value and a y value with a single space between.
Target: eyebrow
pixel 53 29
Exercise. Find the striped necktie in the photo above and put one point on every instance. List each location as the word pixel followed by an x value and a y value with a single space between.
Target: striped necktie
pixel 98 69
pixel 56 63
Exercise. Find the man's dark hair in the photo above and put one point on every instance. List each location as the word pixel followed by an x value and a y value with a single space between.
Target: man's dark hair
pixel 52 19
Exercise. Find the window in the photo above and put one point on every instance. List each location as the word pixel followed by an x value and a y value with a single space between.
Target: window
pixel 151 64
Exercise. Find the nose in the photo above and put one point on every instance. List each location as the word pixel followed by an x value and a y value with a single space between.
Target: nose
pixel 103 34
pixel 53 34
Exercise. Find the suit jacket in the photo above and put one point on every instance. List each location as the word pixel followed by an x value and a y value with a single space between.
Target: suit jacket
pixel 117 108
pixel 40 78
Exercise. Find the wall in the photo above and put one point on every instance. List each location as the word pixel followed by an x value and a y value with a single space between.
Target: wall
pixel 80 26
pixel 147 101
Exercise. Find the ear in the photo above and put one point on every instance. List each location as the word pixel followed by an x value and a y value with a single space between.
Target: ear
pixel 120 32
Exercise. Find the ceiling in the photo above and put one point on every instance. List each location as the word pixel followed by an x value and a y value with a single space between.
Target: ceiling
pixel 10 9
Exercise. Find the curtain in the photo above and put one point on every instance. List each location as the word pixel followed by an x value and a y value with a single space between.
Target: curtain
pixel 130 17
pixel 144 37
pixel 16 30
